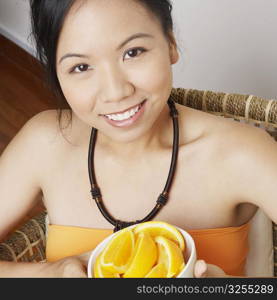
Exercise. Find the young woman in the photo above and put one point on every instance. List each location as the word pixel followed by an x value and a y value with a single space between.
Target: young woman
pixel 111 62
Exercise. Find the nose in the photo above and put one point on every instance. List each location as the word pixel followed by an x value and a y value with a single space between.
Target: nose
pixel 115 84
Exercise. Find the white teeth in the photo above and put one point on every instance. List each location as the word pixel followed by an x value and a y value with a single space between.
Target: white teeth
pixel 124 116
pixel 127 115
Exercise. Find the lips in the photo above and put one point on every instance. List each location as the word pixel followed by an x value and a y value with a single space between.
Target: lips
pixel 123 111
pixel 131 120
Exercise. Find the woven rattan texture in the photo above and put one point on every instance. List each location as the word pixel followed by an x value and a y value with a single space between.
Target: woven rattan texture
pixel 28 242
pixel 249 108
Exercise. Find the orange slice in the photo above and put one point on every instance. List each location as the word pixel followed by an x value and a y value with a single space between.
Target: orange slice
pixel 159 228
pixel 158 271
pixel 117 253
pixel 144 257
pixel 170 255
pixel 99 272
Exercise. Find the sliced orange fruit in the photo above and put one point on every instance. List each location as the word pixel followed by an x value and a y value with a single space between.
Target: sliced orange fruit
pixel 99 272
pixel 159 228
pixel 151 249
pixel 170 255
pixel 158 271
pixel 144 256
pixel 116 255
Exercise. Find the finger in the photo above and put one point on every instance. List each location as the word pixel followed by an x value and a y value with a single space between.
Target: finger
pixel 81 274
pixel 215 271
pixel 84 257
pixel 200 269
pixel 75 270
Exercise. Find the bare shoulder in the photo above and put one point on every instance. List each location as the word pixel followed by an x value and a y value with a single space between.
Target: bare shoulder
pixel 230 136
pixel 249 157
pixel 244 157
pixel 225 132
pixel 44 129
pixel 237 143
pixel 37 139
pixel 43 125
pixel 248 142
pixel 35 131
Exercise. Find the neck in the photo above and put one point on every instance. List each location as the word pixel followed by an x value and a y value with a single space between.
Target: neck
pixel 157 138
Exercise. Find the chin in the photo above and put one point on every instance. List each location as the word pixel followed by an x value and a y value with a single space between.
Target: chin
pixel 127 137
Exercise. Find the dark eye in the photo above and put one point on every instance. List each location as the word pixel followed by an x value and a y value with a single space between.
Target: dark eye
pixel 80 68
pixel 134 52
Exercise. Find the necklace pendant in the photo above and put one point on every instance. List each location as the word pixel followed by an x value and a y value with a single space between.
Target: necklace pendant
pixel 121 224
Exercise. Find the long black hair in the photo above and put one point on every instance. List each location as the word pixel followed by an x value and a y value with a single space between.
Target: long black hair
pixel 47 18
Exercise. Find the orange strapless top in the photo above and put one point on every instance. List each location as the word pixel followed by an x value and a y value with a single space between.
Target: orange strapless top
pixel 225 247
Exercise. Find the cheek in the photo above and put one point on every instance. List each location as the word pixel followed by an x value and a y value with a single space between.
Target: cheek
pixel 157 76
pixel 79 97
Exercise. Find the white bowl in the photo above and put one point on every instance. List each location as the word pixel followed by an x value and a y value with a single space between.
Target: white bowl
pixel 190 254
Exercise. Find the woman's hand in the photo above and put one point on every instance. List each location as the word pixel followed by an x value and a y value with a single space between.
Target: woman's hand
pixel 202 269
pixel 69 267
pixel 73 266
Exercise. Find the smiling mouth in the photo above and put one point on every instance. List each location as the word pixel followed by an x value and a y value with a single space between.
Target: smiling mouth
pixel 127 113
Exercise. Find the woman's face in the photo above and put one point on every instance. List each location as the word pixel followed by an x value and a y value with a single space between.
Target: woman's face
pixel 111 56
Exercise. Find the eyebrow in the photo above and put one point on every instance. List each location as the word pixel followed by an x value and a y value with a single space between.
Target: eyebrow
pixel 129 39
pixel 132 37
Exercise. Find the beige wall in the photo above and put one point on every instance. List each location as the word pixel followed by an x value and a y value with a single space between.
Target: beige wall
pixel 14 22
pixel 228 45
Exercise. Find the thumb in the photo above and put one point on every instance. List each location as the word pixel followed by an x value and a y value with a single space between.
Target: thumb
pixel 200 269
pixel 84 257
